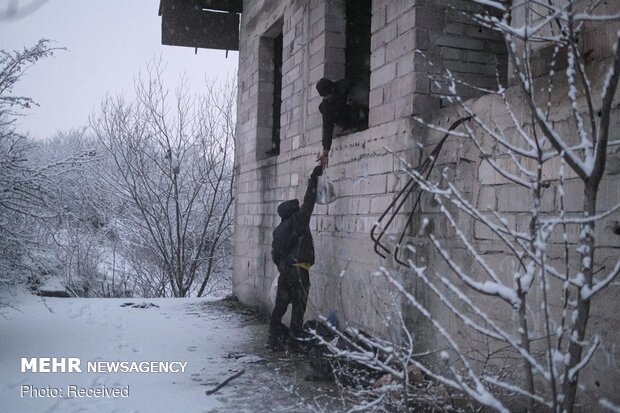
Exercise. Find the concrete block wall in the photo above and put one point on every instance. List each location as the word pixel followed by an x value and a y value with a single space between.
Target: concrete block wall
pixel 263 182
pixel 362 171
pixel 490 192
pixel 595 37
pixel 365 173
pixel 403 82
pixel 257 187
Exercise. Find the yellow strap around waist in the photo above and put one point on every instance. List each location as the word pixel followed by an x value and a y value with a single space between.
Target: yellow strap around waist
pixel 303 265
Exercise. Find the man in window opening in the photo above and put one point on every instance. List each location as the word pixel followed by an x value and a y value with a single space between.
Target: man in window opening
pixel 344 105
pixel 292 250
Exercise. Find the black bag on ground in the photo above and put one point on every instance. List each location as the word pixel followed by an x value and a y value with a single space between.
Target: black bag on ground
pixel 319 354
pixel 326 366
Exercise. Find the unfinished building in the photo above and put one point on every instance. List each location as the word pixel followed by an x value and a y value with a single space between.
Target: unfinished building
pixel 394 48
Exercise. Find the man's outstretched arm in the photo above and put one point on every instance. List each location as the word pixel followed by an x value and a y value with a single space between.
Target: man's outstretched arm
pixel 310 198
pixel 328 132
pixel 328 129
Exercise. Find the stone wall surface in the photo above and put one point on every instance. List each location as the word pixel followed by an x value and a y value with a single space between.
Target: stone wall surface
pixel 489 191
pixel 365 166
pixel 361 167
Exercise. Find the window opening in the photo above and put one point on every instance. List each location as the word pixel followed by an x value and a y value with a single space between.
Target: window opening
pixel 277 96
pixel 269 102
pixel 357 54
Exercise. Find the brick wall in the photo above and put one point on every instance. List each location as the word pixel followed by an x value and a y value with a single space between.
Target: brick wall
pixel 313 47
pixel 491 192
pixel 364 172
pixel 404 82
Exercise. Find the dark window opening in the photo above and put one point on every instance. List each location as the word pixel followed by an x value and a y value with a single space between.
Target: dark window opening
pixel 269 92
pixel 277 95
pixel 357 53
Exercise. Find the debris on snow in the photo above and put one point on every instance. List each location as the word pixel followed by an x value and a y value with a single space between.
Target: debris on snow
pixel 225 381
pixel 143 304
pixel 244 358
pixel 53 288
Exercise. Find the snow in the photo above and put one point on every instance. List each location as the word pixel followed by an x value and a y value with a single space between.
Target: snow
pixel 609 405
pixel 490 3
pixel 102 330
pixel 213 342
pixel 584 360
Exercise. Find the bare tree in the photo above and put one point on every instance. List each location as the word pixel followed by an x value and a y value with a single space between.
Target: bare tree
pixel 27 178
pixel 537 311
pixel 172 169
pixel 20 179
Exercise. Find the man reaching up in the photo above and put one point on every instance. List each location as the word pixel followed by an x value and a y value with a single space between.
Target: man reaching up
pixel 293 253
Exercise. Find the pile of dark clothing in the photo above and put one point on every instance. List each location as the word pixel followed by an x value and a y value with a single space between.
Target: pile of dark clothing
pixel 329 350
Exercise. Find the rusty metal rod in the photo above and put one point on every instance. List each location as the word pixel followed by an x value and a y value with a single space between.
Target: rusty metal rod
pixel 425 168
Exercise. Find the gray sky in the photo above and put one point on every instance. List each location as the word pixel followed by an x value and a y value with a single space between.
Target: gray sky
pixel 108 43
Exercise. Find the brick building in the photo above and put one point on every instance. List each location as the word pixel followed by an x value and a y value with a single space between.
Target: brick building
pixel 316 41
pixel 285 47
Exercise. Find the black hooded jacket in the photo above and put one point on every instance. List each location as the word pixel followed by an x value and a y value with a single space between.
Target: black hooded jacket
pixel 335 111
pixel 302 248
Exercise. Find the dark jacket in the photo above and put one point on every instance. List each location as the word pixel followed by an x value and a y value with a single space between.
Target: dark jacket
pixel 302 248
pixel 335 111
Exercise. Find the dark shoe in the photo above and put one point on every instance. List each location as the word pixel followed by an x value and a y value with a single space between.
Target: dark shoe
pixel 296 346
pixel 279 330
pixel 274 343
pixel 273 152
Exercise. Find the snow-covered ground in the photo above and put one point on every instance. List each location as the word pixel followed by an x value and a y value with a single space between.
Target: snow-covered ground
pixel 215 339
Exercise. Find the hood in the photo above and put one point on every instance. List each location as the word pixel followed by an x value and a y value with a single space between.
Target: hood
pixel 287 208
pixel 325 87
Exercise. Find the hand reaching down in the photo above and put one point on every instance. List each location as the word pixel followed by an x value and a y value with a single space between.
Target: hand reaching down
pixel 323 158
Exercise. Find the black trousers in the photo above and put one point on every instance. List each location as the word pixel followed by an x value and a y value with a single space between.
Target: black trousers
pixel 293 288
